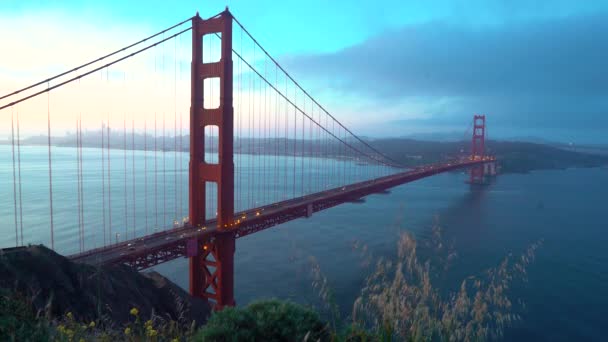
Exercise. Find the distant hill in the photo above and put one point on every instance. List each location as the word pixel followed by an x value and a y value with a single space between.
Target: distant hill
pixel 515 156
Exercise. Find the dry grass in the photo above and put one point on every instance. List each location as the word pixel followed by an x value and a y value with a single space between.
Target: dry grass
pixel 399 295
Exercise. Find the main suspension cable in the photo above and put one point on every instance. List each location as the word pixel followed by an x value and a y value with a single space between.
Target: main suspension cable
pixel 94 61
pixel 307 94
pixel 94 70
pixel 311 119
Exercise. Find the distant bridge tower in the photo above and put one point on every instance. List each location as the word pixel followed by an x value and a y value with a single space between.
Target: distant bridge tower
pixel 478 149
pixel 489 169
pixel 212 262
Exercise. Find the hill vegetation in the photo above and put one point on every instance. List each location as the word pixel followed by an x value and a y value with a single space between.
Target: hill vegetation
pixel 514 157
pixel 55 285
pixel 46 297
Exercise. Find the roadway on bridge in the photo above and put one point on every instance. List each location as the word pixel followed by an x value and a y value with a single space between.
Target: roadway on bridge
pixel 143 252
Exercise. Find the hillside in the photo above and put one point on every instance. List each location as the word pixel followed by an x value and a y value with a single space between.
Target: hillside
pixel 513 156
pixel 90 293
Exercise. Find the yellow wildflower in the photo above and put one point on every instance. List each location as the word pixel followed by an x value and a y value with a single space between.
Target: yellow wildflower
pixel 81 340
pixel 92 324
pixel 69 316
pixel 134 312
pixel 152 332
pixel 148 323
pixel 175 340
pixel 128 331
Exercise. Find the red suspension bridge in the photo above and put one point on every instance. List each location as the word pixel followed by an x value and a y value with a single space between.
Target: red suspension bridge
pixel 261 151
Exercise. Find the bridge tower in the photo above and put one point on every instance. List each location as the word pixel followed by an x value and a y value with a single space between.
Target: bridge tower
pixel 212 262
pixel 478 148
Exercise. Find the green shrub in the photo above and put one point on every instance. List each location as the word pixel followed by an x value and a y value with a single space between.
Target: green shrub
pixel 270 320
pixel 18 322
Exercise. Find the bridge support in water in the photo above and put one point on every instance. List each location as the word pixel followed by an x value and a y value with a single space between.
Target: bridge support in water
pixel 478 152
pixel 212 262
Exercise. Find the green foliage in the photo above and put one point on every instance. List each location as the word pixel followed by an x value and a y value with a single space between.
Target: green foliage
pixel 18 322
pixel 155 329
pixel 270 320
pixel 231 324
pixel 356 333
pixel 398 302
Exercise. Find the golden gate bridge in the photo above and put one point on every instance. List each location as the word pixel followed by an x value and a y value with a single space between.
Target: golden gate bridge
pixel 260 149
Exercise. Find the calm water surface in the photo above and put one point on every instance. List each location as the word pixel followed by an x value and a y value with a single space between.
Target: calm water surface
pixel 566 294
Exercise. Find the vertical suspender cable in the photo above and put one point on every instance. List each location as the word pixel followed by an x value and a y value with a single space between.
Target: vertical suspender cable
pixel 241 132
pixel 303 148
pixel 146 174
pixel 286 154
pixel 343 154
pixel 78 186
pixel 258 153
pixel 155 177
pixel 325 155
pixel 250 136
pixel 276 136
pixel 295 137
pixel 164 173
pixel 133 173
pixel 14 177
pixel 78 137
pixel 109 185
pixel 48 107
pixel 103 182
pixel 316 147
pixel 81 181
pixel 181 144
pixel 333 158
pixel 265 140
pixel 155 157
pixel 80 178
pixel 181 164
pixel 175 129
pixel 19 176
pixel 310 140
pixel 318 153
pixel 263 137
pixel 124 148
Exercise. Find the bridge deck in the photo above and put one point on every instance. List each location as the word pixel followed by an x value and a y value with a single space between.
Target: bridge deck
pixel 170 244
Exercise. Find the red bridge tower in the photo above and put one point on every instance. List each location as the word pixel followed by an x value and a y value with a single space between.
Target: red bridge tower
pixel 478 152
pixel 478 148
pixel 212 262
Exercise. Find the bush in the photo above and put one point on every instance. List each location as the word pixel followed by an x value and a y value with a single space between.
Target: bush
pixel 270 320
pixel 18 321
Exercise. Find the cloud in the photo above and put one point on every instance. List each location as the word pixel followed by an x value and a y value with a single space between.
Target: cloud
pixel 546 74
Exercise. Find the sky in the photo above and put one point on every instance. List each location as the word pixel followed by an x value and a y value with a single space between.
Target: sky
pixel 392 68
